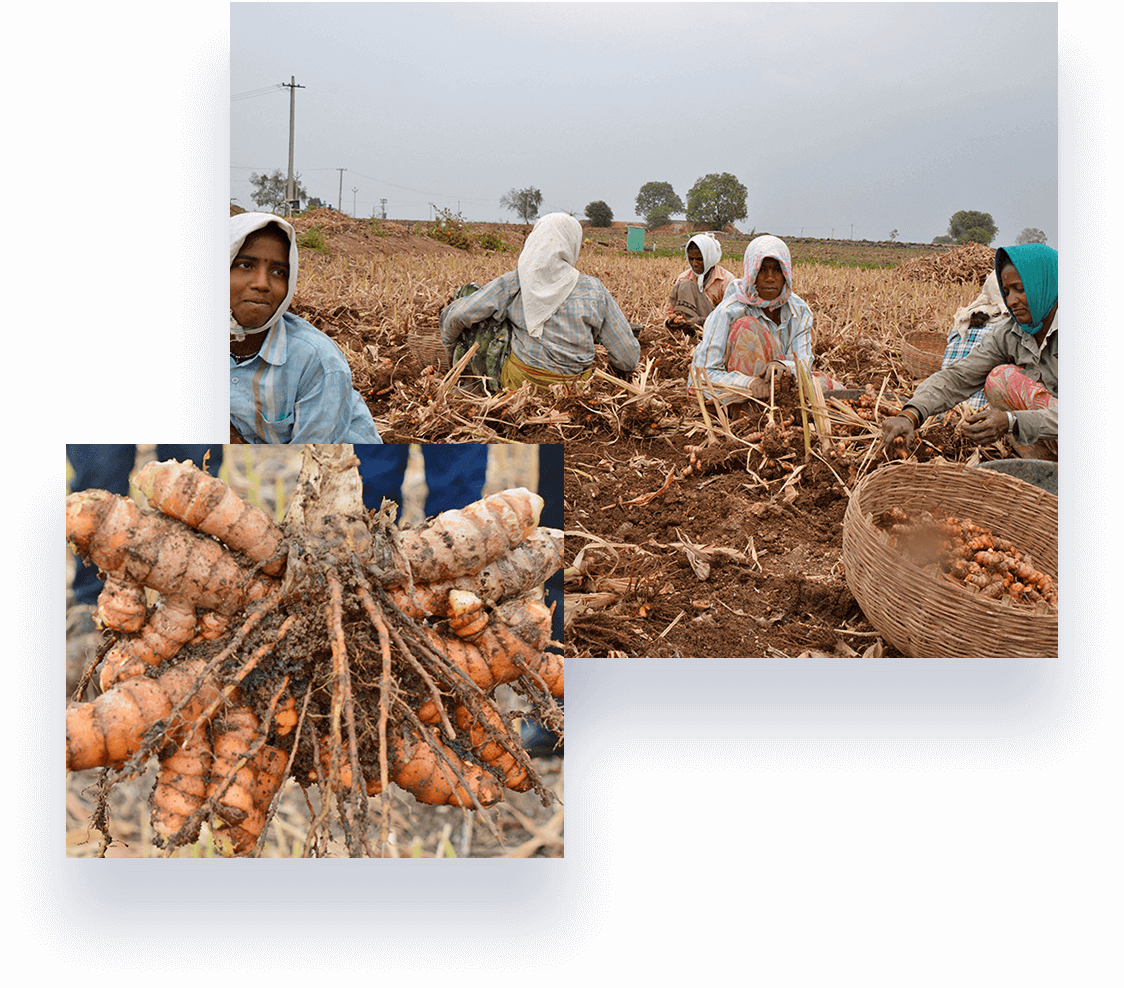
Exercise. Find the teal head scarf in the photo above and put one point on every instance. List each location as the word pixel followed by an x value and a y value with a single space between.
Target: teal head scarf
pixel 1037 266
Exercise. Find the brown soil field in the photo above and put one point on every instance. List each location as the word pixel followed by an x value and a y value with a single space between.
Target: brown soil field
pixel 737 557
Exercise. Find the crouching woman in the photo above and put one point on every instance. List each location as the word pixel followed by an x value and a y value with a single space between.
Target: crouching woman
pixel 1016 364
pixel 762 328
pixel 556 314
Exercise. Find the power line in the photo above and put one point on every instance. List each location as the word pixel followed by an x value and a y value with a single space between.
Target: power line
pixel 252 93
pixel 423 192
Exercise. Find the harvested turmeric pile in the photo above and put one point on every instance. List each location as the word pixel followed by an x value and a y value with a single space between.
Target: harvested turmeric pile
pixel 335 648
pixel 970 555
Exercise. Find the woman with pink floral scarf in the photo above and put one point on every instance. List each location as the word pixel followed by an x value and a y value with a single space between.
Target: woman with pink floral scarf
pixel 762 326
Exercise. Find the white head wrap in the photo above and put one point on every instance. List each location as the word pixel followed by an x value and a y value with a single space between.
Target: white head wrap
pixel 546 268
pixel 711 251
pixel 989 300
pixel 241 226
pixel 755 253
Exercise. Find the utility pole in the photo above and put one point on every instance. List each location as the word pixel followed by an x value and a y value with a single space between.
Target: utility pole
pixel 353 191
pixel 293 87
pixel 383 203
pixel 339 204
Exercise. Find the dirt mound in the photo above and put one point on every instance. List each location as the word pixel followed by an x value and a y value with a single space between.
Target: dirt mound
pixel 339 233
pixel 971 263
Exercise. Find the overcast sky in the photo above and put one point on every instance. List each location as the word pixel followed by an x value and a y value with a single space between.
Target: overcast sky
pixel 836 117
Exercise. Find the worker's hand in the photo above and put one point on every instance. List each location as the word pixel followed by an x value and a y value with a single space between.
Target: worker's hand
pixel 775 368
pixel 985 427
pixel 897 434
pixel 759 388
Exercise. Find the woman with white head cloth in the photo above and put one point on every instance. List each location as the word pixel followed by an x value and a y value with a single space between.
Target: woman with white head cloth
pixel 970 324
pixel 289 382
pixel 556 314
pixel 699 290
pixel 762 328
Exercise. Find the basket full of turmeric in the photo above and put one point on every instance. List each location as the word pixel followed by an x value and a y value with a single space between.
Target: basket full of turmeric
pixel 922 353
pixel 949 560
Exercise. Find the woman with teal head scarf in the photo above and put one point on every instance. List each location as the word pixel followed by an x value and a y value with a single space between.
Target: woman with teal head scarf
pixel 1016 364
pixel 1028 278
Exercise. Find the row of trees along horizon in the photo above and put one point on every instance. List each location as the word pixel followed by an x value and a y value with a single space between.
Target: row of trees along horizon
pixel 716 200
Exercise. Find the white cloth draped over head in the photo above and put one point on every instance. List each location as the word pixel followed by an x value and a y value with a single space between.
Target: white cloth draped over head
pixel 989 300
pixel 241 226
pixel 546 268
pixel 755 253
pixel 711 251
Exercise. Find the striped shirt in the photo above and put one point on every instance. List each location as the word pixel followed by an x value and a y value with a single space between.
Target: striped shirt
pixel 589 315
pixel 957 348
pixel 297 389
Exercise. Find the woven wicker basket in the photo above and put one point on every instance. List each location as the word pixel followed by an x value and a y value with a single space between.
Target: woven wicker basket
pixel 922 614
pixel 922 353
pixel 428 349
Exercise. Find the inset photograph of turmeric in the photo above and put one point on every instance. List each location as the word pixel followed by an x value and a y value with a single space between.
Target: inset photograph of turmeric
pixel 321 651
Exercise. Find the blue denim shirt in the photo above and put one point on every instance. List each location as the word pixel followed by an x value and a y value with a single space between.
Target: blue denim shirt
pixel 298 390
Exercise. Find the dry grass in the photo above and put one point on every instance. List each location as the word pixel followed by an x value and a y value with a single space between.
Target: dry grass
pixel 373 301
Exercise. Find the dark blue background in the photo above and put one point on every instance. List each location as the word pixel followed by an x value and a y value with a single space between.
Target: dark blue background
pixel 772 822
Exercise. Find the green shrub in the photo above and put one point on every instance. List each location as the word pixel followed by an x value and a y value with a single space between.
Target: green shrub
pixel 313 239
pixel 491 240
pixel 450 229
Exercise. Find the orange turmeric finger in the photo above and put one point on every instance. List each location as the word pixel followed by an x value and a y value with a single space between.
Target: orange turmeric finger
pixel 110 729
pixel 234 735
pixel 121 605
pixel 528 565
pixel 183 491
pixel 161 553
pixel 465 540
pixel 181 787
pixel 417 768
pixel 515 776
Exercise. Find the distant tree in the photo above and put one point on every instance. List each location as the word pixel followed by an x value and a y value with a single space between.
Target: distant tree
pixel 1031 235
pixel 972 225
pixel 269 190
pixel 893 234
pixel 525 202
pixel 599 213
pixel 944 238
pixel 657 203
pixel 716 200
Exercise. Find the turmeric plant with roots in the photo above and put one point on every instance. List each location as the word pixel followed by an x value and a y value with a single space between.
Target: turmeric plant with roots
pixel 335 648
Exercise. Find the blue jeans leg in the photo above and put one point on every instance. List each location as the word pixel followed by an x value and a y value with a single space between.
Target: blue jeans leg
pixel 454 475
pixel 382 470
pixel 552 461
